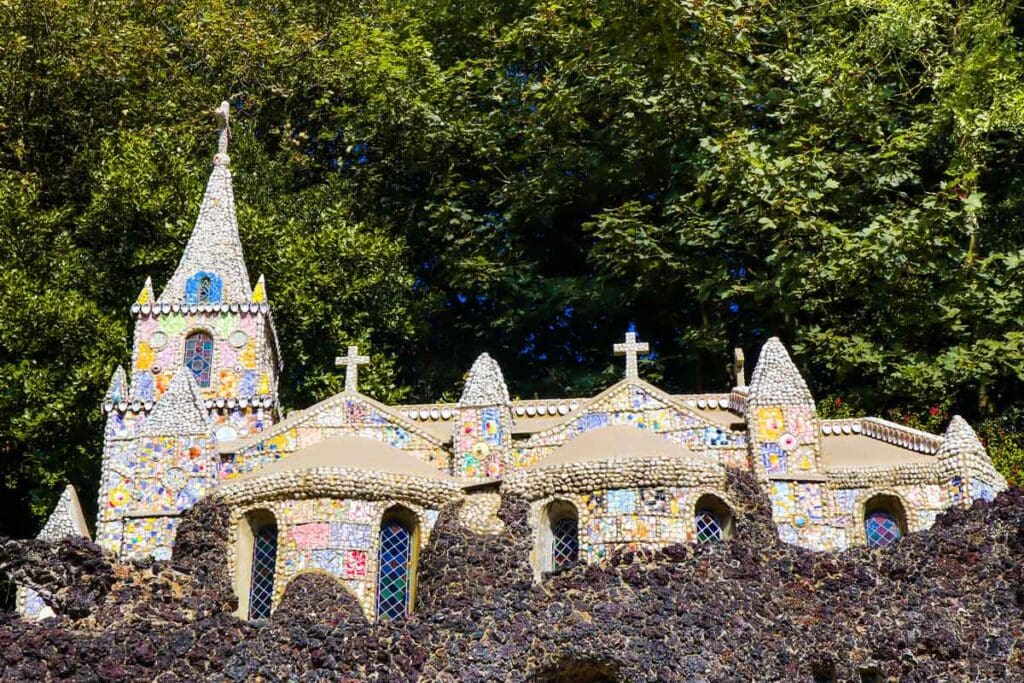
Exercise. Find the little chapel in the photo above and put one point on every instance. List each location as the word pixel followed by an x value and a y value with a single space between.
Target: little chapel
pixel 352 487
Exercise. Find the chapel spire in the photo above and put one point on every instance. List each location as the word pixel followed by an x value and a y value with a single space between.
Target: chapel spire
pixel 212 269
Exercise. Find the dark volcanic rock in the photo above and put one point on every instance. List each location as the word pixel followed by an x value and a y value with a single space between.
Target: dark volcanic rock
pixel 940 605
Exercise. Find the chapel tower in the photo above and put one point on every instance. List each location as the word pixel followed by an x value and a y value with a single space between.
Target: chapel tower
pixel 210 321
pixel 204 371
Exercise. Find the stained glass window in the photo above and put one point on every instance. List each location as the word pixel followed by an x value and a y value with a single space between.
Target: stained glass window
pixel 199 357
pixel 709 527
pixel 565 544
pixel 204 290
pixel 394 576
pixel 264 559
pixel 882 529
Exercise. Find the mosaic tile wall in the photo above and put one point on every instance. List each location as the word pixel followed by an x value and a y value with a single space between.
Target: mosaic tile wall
pixel 632 405
pixel 339 537
pixel 630 519
pixel 243 363
pixel 339 417
pixel 482 443
pixel 810 515
pixel 146 480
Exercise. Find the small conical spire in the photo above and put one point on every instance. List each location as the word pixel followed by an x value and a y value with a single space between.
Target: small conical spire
pixel 118 389
pixel 485 385
pixel 66 519
pixel 776 380
pixel 146 295
pixel 259 292
pixel 212 268
pixel 959 439
pixel 180 410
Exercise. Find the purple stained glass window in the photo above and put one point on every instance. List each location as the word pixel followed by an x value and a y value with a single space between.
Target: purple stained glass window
pixel 199 357
pixel 393 579
pixel 565 544
pixel 882 529
pixel 709 528
pixel 264 561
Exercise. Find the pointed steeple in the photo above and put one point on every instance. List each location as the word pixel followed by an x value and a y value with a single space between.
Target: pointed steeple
pixel 259 292
pixel 118 389
pixel 146 295
pixel 66 519
pixel 212 268
pixel 485 385
pixel 776 380
pixel 180 411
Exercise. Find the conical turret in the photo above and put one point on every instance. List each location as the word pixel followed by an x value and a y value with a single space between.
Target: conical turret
pixel 485 384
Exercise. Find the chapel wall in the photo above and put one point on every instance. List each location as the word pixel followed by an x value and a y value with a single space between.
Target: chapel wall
pixel 630 519
pixel 340 537
pixel 634 406
pixel 243 362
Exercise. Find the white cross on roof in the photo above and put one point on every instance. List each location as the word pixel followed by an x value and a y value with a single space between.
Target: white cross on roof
pixel 629 349
pixel 352 361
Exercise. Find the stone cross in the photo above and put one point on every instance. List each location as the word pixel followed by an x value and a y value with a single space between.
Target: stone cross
pixel 352 361
pixel 737 367
pixel 223 114
pixel 629 349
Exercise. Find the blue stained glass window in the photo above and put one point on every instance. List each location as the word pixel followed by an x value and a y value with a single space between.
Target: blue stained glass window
pixel 393 574
pixel 565 544
pixel 882 529
pixel 204 291
pixel 204 288
pixel 199 357
pixel 709 527
pixel 264 560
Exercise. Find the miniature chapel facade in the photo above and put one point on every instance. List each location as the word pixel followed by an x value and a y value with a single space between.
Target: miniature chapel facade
pixel 353 487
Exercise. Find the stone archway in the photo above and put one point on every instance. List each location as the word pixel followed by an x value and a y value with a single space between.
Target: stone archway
pixel 578 670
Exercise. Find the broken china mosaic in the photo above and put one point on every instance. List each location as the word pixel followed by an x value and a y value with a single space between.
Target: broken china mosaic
pixel 344 417
pixel 633 519
pixel 339 537
pixel 481 442
pixel 787 439
pixel 241 363
pixel 634 406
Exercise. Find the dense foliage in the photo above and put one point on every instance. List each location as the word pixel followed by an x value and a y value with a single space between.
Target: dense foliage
pixel 437 178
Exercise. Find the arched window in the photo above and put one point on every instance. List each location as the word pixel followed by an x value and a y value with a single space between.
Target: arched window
pixel 257 563
pixel 558 542
pixel 883 521
pixel 204 290
pixel 396 573
pixel 712 520
pixel 199 357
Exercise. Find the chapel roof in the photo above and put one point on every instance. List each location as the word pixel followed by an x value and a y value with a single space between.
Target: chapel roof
pixel 856 451
pixel 617 442
pixel 351 452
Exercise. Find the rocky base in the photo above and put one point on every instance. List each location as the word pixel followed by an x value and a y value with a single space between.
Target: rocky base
pixel 941 605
